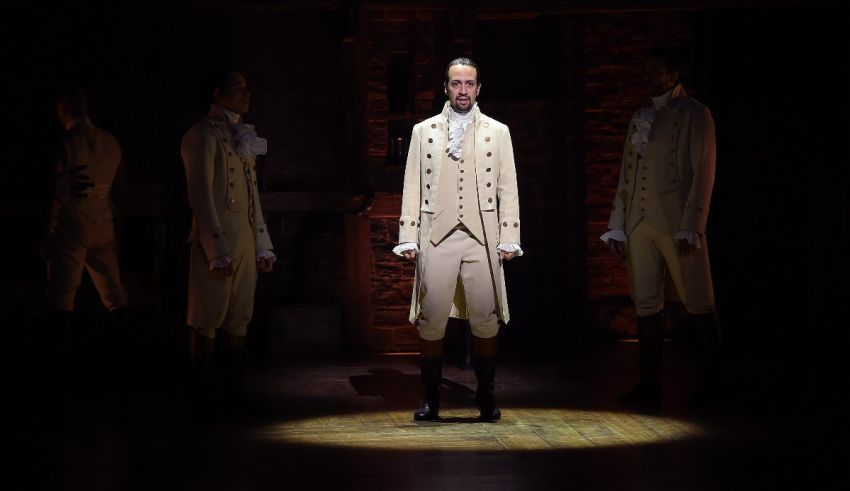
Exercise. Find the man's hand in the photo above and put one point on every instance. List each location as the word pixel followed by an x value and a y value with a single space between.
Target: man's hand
pixel 685 248
pixel 410 255
pixel 221 273
pixel 618 248
pixel 506 256
pixel 265 264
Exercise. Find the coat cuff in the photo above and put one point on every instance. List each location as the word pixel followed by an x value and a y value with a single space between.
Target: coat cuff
pixel 214 244
pixel 509 233
pixel 408 229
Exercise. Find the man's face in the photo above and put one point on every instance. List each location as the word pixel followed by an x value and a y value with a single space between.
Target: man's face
pixel 657 77
pixel 236 97
pixel 462 87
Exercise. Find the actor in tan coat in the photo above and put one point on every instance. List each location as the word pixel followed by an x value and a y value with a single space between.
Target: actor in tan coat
pixel 459 221
pixel 659 217
pixel 81 232
pixel 230 241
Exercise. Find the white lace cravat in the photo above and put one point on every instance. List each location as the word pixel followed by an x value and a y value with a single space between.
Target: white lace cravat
pixel 458 123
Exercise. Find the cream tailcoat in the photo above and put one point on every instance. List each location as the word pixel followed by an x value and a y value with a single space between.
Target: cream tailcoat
pixel 498 198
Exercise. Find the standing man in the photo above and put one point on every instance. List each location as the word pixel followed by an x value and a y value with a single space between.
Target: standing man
pixel 459 221
pixel 659 217
pixel 229 239
pixel 81 229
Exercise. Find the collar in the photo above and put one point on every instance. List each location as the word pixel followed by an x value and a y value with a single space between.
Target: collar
pixel 218 112
pixel 447 111
pixel 70 125
pixel 674 93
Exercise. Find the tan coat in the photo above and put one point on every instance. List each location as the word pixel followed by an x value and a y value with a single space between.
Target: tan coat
pixel 225 222
pixel 676 175
pixel 215 182
pixel 498 198
pixel 670 186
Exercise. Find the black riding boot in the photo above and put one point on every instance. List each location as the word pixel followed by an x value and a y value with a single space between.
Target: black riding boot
pixel 432 377
pixel 650 347
pixel 485 372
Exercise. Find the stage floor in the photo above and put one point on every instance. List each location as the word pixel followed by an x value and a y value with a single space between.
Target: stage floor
pixel 106 419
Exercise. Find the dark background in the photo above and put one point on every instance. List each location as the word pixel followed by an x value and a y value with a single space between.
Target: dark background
pixel 334 82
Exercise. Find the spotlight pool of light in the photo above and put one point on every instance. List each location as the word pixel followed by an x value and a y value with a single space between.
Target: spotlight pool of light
pixel 531 429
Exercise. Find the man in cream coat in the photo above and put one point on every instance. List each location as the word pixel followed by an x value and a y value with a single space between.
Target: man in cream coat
pixel 459 221
pixel 659 217
pixel 229 238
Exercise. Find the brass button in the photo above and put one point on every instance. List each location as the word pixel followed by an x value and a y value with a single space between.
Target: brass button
pixel 487 138
pixel 430 140
pixel 232 185
pixel 429 155
pixel 461 171
pixel 461 216
pixel 489 200
pixel 516 225
pixel 412 223
pixel 461 179
pixel 489 154
pixel 488 169
pixel 489 184
pixel 460 206
pixel 401 222
pixel 232 201
pixel 460 188
pixel 504 224
pixel 428 171
pixel 433 125
pixel 426 201
pixel 460 197
pixel 427 186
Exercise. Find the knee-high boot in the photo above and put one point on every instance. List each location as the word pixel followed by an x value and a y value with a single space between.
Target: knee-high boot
pixel 232 363
pixel 650 348
pixel 202 351
pixel 431 366
pixel 484 363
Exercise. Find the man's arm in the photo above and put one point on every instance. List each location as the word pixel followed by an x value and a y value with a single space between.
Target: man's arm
pixel 508 195
pixel 198 152
pixel 408 231
pixel 703 158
